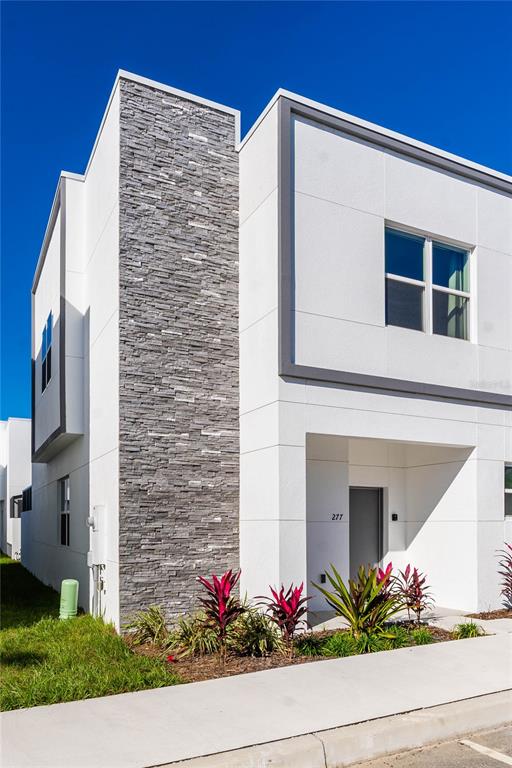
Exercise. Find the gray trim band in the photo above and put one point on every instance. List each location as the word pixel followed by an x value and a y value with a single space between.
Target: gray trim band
pixel 288 368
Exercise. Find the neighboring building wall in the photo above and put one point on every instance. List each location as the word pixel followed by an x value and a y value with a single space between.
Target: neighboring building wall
pixel 15 475
pixel 3 486
pixel 344 192
pixel 178 377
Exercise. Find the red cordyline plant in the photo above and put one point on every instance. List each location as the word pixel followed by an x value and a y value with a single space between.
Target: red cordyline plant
pixel 221 607
pixel 286 610
pixel 411 585
pixel 505 572
pixel 386 578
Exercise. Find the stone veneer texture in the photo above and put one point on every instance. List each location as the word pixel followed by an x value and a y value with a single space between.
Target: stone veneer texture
pixel 178 399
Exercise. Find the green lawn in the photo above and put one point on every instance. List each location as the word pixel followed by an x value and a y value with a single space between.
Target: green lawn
pixel 44 660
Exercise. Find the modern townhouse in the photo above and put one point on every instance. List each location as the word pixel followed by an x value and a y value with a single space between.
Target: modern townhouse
pixel 15 478
pixel 284 353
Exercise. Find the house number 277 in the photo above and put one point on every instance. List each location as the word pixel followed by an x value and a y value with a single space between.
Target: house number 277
pixel 337 515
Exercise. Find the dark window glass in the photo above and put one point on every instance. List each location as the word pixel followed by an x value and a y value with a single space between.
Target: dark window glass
pixel 404 254
pixel 48 365
pixel 404 305
pixel 508 504
pixel 27 500
pixel 508 478
pixel 43 376
pixel 450 315
pixel 64 498
pixel 64 530
pixel 450 267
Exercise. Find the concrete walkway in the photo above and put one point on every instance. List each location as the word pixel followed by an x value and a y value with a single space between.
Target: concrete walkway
pixel 158 727
pixel 445 618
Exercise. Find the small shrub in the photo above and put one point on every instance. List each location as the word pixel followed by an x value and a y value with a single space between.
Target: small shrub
pixel 254 634
pixel 340 644
pixel 365 604
pixel 422 636
pixel 194 636
pixel 467 629
pixel 397 637
pixel 505 572
pixel 148 626
pixel 309 644
pixel 412 588
pixel 221 607
pixel 287 611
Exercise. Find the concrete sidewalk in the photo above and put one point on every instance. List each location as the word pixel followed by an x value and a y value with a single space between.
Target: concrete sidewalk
pixel 158 727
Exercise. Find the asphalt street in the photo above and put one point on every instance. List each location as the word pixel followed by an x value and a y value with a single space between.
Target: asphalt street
pixel 490 749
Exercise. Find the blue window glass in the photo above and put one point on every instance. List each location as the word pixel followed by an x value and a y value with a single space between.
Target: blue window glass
pixel 46 353
pixel 404 254
pixel 450 267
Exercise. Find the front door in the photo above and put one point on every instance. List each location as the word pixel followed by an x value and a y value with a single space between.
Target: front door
pixel 365 527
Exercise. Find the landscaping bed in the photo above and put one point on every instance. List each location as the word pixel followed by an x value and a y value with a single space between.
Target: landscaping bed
pixel 208 666
pixel 502 613
pixel 44 660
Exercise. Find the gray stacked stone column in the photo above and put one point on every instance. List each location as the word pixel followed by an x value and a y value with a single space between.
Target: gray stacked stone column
pixel 178 348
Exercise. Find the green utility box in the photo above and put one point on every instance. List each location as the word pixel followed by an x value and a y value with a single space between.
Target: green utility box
pixel 68 598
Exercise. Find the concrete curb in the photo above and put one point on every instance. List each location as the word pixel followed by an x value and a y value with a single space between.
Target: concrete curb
pixel 351 744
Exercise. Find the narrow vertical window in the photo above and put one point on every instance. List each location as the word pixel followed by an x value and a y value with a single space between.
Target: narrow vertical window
pixel 46 353
pixel 64 502
pixel 508 490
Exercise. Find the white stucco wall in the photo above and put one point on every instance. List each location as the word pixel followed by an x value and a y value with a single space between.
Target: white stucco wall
pixel 345 193
pixel 102 269
pixel 15 476
pixel 451 508
pixel 46 300
pixel 91 460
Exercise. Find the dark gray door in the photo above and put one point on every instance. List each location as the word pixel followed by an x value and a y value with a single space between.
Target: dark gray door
pixel 365 527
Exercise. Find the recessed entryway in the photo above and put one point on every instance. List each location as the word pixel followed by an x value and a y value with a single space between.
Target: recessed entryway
pixel 365 527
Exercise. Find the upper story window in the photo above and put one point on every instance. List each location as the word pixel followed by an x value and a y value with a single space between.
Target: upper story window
pixel 508 489
pixel 427 285
pixel 46 353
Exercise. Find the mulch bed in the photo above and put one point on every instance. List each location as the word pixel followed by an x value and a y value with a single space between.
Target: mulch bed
pixel 440 635
pixel 502 613
pixel 193 669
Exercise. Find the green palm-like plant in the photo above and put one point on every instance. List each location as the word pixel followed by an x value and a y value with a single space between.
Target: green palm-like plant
pixel 366 604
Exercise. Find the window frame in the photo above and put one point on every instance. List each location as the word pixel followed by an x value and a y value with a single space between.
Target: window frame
pixel 16 507
pixel 507 491
pixel 46 352
pixel 64 506
pixel 427 284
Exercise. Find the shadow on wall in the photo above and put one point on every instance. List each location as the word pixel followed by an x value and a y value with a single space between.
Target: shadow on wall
pixel 439 488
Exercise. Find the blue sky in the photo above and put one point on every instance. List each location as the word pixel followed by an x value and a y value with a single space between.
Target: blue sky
pixel 440 72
